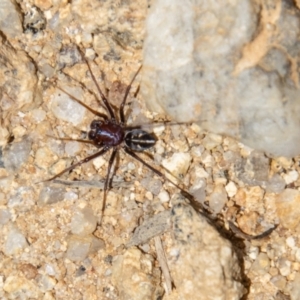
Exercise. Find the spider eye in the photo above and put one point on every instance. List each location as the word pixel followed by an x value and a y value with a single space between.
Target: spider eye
pixel 92 135
pixel 95 124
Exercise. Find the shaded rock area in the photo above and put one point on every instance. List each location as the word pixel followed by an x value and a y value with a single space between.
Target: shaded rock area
pixel 148 246
pixel 202 263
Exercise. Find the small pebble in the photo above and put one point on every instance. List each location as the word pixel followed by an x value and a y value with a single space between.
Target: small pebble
pixel 38 115
pixel 297 254
pixel 4 134
pixel 98 162
pixel 279 281
pixel 231 189
pixel 80 246
pixel 218 198
pixel 163 196
pixel 71 195
pixel 290 241
pixel 15 241
pixel 291 176
pixel 211 141
pixel 4 216
pixel 158 130
pixel 294 288
pixel 66 109
pixel 50 195
pixel 248 222
pixel 253 252
pixel 131 166
pixel 275 184
pixel 284 162
pixel 261 265
pixel 288 208
pixel 198 190
pixel 259 166
pixel 83 222
pixel 200 172
pixel 16 285
pixel 277 250
pixel 50 270
pixel 23 198
pixel 130 277
pixel 46 283
pixel 16 154
pixel 197 150
pixel 177 164
pixel 29 270
pixel 43 157
pixel 207 159
pixel 56 146
pixel 152 185
pixel 284 266
pixel 18 131
pixel 72 148
pixel 58 166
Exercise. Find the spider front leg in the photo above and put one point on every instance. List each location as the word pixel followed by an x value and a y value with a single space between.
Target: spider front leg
pixel 72 140
pixel 95 112
pixel 85 160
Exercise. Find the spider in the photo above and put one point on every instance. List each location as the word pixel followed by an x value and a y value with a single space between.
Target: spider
pixel 112 133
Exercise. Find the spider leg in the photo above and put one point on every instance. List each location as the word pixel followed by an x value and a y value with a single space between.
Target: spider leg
pixel 197 206
pixel 122 116
pixel 186 194
pixel 110 163
pixel 246 236
pixel 74 140
pixel 104 99
pixel 150 126
pixel 82 103
pixel 85 160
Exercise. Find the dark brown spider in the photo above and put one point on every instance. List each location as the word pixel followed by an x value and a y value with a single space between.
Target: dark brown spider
pixel 112 133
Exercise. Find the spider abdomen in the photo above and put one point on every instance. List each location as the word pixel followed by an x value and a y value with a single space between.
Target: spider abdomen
pixel 139 140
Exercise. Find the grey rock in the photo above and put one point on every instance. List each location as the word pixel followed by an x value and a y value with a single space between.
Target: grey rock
pixel 16 154
pixel 23 199
pixel 275 184
pixel 19 83
pixel 152 227
pixel 10 19
pixel 216 64
pixel 254 170
pixel 84 221
pixel 151 184
pixel 15 241
pixel 50 195
pixel 5 216
pixel 79 247
pixel 64 108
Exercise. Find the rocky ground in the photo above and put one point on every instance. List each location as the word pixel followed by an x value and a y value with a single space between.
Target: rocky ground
pixel 52 244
